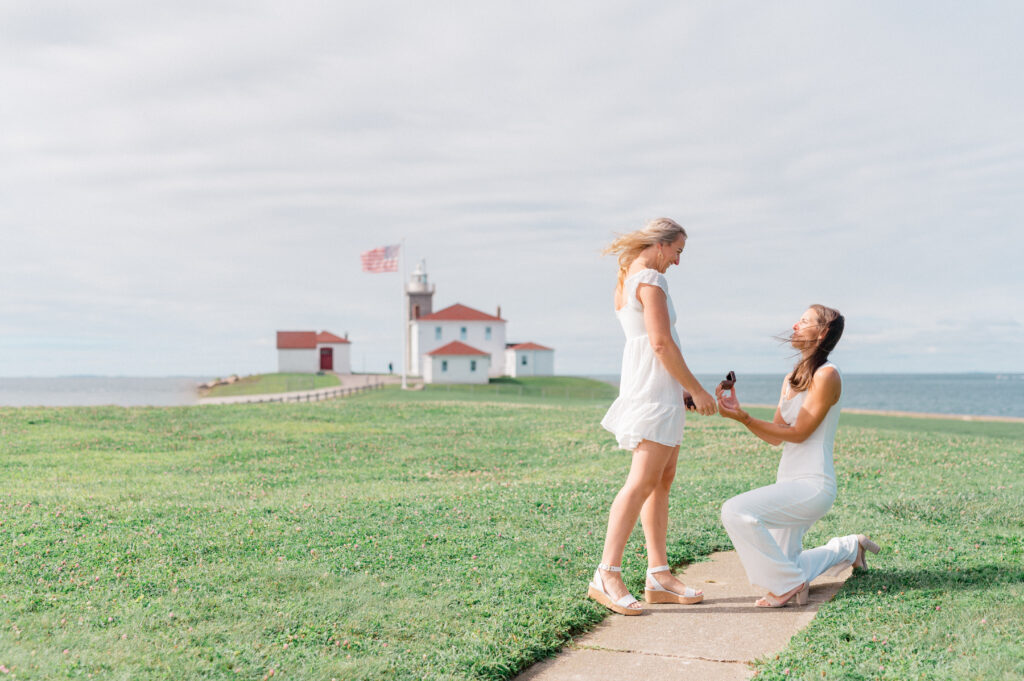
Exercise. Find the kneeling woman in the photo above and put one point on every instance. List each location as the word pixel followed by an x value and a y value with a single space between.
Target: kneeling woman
pixel 767 525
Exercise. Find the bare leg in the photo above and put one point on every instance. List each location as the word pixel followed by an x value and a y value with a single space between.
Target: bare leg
pixel 649 462
pixel 654 518
pixel 654 514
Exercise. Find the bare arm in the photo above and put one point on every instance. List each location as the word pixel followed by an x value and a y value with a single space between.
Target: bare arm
pixel 777 420
pixel 659 332
pixel 824 392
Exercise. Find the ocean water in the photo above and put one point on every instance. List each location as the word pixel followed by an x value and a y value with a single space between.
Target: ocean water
pixel 965 394
pixel 70 391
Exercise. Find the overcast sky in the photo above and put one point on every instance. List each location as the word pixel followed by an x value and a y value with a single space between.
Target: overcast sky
pixel 180 180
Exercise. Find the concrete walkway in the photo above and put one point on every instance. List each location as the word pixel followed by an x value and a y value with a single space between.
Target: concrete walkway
pixel 713 641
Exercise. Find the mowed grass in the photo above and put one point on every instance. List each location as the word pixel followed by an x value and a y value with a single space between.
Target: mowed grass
pixel 442 535
pixel 274 383
pixel 549 390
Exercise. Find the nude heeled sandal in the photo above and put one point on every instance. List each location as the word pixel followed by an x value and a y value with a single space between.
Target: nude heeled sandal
pixel 771 601
pixel 864 544
pixel 597 591
pixel 656 593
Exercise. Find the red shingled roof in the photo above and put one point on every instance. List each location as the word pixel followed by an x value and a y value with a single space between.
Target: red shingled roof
pixel 328 337
pixel 460 313
pixel 456 348
pixel 530 346
pixel 305 340
pixel 296 340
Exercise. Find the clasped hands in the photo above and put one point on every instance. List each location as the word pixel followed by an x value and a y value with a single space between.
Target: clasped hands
pixel 725 393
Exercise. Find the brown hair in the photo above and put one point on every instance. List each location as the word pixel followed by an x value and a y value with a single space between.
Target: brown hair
pixel 628 246
pixel 803 372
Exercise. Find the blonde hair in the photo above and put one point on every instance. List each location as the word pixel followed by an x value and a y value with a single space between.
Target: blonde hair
pixel 628 246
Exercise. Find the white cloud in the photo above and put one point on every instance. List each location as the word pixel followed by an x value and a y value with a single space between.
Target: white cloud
pixel 179 181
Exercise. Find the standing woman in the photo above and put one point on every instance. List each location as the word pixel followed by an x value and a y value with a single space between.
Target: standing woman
pixel 648 416
pixel 767 525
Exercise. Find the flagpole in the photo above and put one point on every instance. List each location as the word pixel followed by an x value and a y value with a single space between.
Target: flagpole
pixel 405 320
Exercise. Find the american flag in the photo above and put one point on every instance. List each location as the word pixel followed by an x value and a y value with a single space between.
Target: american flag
pixel 383 259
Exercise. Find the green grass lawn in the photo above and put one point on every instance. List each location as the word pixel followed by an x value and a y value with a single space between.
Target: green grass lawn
pixel 442 534
pixel 532 389
pixel 274 383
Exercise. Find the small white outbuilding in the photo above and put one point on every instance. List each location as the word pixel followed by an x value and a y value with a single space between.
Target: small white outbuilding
pixel 456 362
pixel 308 352
pixel 529 359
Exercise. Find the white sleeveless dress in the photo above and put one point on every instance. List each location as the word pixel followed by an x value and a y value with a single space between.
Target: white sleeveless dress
pixel 650 402
pixel 767 524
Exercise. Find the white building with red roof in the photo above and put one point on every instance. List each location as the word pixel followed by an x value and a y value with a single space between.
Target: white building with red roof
pixel 529 359
pixel 456 362
pixel 463 328
pixel 479 330
pixel 308 352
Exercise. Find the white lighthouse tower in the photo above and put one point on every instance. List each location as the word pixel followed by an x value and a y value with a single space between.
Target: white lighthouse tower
pixel 419 302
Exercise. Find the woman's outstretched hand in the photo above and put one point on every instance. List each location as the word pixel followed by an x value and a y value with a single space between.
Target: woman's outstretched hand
pixel 729 404
pixel 704 402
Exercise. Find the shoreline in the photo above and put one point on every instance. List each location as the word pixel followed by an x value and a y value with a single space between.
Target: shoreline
pixel 920 415
pixel 123 392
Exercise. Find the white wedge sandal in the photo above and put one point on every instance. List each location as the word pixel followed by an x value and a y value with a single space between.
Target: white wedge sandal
pixel 656 593
pixel 597 591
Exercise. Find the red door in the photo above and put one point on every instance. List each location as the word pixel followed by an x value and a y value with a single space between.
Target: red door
pixel 326 359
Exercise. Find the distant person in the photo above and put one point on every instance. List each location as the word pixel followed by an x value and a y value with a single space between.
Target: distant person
pixel 648 416
pixel 767 525
pixel 391 368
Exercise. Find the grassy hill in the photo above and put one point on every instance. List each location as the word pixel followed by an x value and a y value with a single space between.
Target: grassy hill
pixel 260 384
pixel 441 534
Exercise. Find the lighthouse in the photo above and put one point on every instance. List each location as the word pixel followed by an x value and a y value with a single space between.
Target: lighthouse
pixel 419 302
pixel 459 344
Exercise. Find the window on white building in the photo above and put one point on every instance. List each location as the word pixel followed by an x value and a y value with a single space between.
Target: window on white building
pixel 462 333
pixel 472 365
pixel 444 365
pixel 524 360
pixel 437 333
pixel 487 333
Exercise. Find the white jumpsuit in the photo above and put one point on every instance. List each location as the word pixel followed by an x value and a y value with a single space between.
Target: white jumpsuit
pixel 767 525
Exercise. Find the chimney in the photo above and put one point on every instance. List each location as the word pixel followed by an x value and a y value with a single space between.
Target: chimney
pixel 346 335
pixel 499 312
